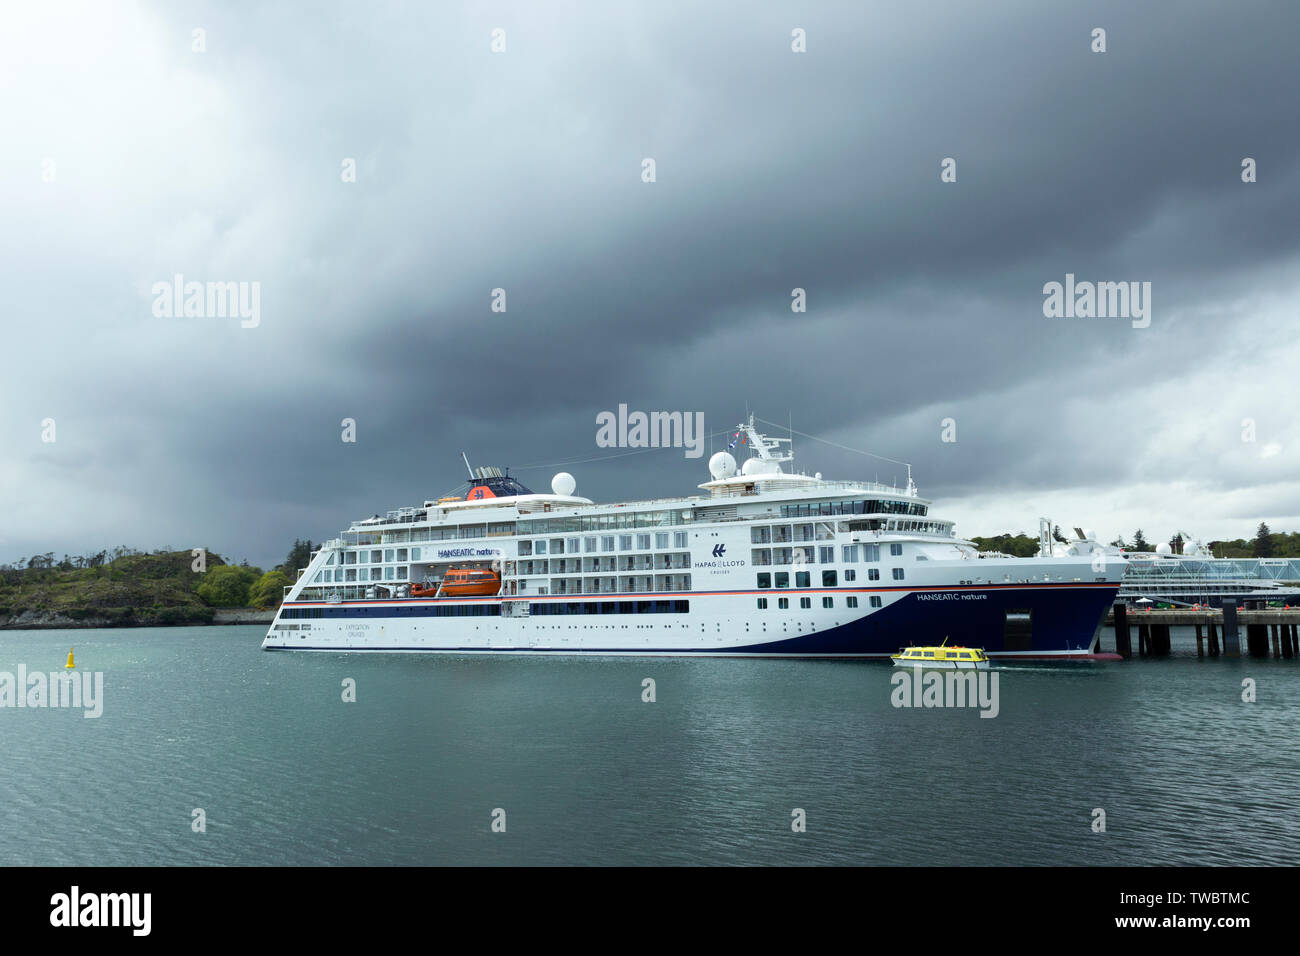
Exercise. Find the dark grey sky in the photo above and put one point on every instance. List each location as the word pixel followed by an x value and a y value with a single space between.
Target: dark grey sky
pixel 522 170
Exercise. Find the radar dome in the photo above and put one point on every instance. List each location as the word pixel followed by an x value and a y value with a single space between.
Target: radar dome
pixel 722 465
pixel 757 466
pixel 1164 548
pixel 563 484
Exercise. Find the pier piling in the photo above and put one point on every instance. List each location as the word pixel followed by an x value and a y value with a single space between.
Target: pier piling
pixel 1231 640
pixel 1122 646
pixel 1214 639
pixel 1143 639
pixel 1200 642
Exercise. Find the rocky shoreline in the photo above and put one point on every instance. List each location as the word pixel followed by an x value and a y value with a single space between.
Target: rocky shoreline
pixel 128 617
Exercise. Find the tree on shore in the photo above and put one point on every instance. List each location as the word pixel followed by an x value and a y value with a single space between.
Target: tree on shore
pixel 1139 542
pixel 268 590
pixel 227 585
pixel 299 557
pixel 1263 542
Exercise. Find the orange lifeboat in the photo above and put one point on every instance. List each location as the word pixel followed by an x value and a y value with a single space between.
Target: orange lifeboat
pixel 470 582
pixel 424 590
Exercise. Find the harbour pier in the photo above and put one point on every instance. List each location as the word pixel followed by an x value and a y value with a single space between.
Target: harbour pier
pixel 1268 631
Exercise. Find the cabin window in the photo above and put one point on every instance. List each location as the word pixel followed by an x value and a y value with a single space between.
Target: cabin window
pixel 828 579
pixel 805 603
pixel 679 539
pixel 927 653
pixel 850 553
pixel 825 555
pixel 589 544
pixel 607 542
pixel 898 574
pixel 851 601
pixel 331 559
pixel 765 579
pixel 762 604
pixel 388 554
pixel 782 579
pixel 643 542
pixel 401 554
pixel 803 579
pixel 625 542
pixel 875 600
pixel 871 552
pixel 760 535
pixel 873 574
pixel 401 573
pixel 850 575
pixel 661 540
pixel 539 547
pixel 895 549
pixel 525 549
pixel 376 557
pixel 782 603
pixel 828 602
pixel 352 574
pixel 573 546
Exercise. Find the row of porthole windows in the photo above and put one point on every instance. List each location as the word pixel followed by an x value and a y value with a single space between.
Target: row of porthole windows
pixel 827 602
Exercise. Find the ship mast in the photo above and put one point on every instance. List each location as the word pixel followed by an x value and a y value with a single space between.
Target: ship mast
pixel 766 449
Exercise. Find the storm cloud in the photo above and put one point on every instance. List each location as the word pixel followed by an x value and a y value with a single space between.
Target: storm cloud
pixel 130 157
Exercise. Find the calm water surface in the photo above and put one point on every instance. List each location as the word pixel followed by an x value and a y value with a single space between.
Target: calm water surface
pixel 288 773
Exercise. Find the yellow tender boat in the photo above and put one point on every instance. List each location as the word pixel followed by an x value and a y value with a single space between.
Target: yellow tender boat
pixel 943 657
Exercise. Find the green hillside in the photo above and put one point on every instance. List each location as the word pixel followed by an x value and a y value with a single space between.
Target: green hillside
pixel 131 589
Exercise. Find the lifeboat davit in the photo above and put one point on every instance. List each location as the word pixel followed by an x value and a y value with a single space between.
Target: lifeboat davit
pixel 470 582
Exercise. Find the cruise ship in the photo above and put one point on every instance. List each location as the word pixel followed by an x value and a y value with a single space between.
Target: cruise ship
pixel 764 561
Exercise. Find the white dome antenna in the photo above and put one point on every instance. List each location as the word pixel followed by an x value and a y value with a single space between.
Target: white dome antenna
pixel 722 465
pixel 563 484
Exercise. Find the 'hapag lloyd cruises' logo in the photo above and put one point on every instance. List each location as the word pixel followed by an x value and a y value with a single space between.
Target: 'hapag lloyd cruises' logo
pixel 84 689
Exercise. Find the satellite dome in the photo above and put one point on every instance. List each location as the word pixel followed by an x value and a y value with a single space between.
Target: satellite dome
pixel 722 465
pixel 1164 548
pixel 757 466
pixel 563 484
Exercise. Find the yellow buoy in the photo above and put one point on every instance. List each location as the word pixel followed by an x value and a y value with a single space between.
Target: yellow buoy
pixel 69 664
